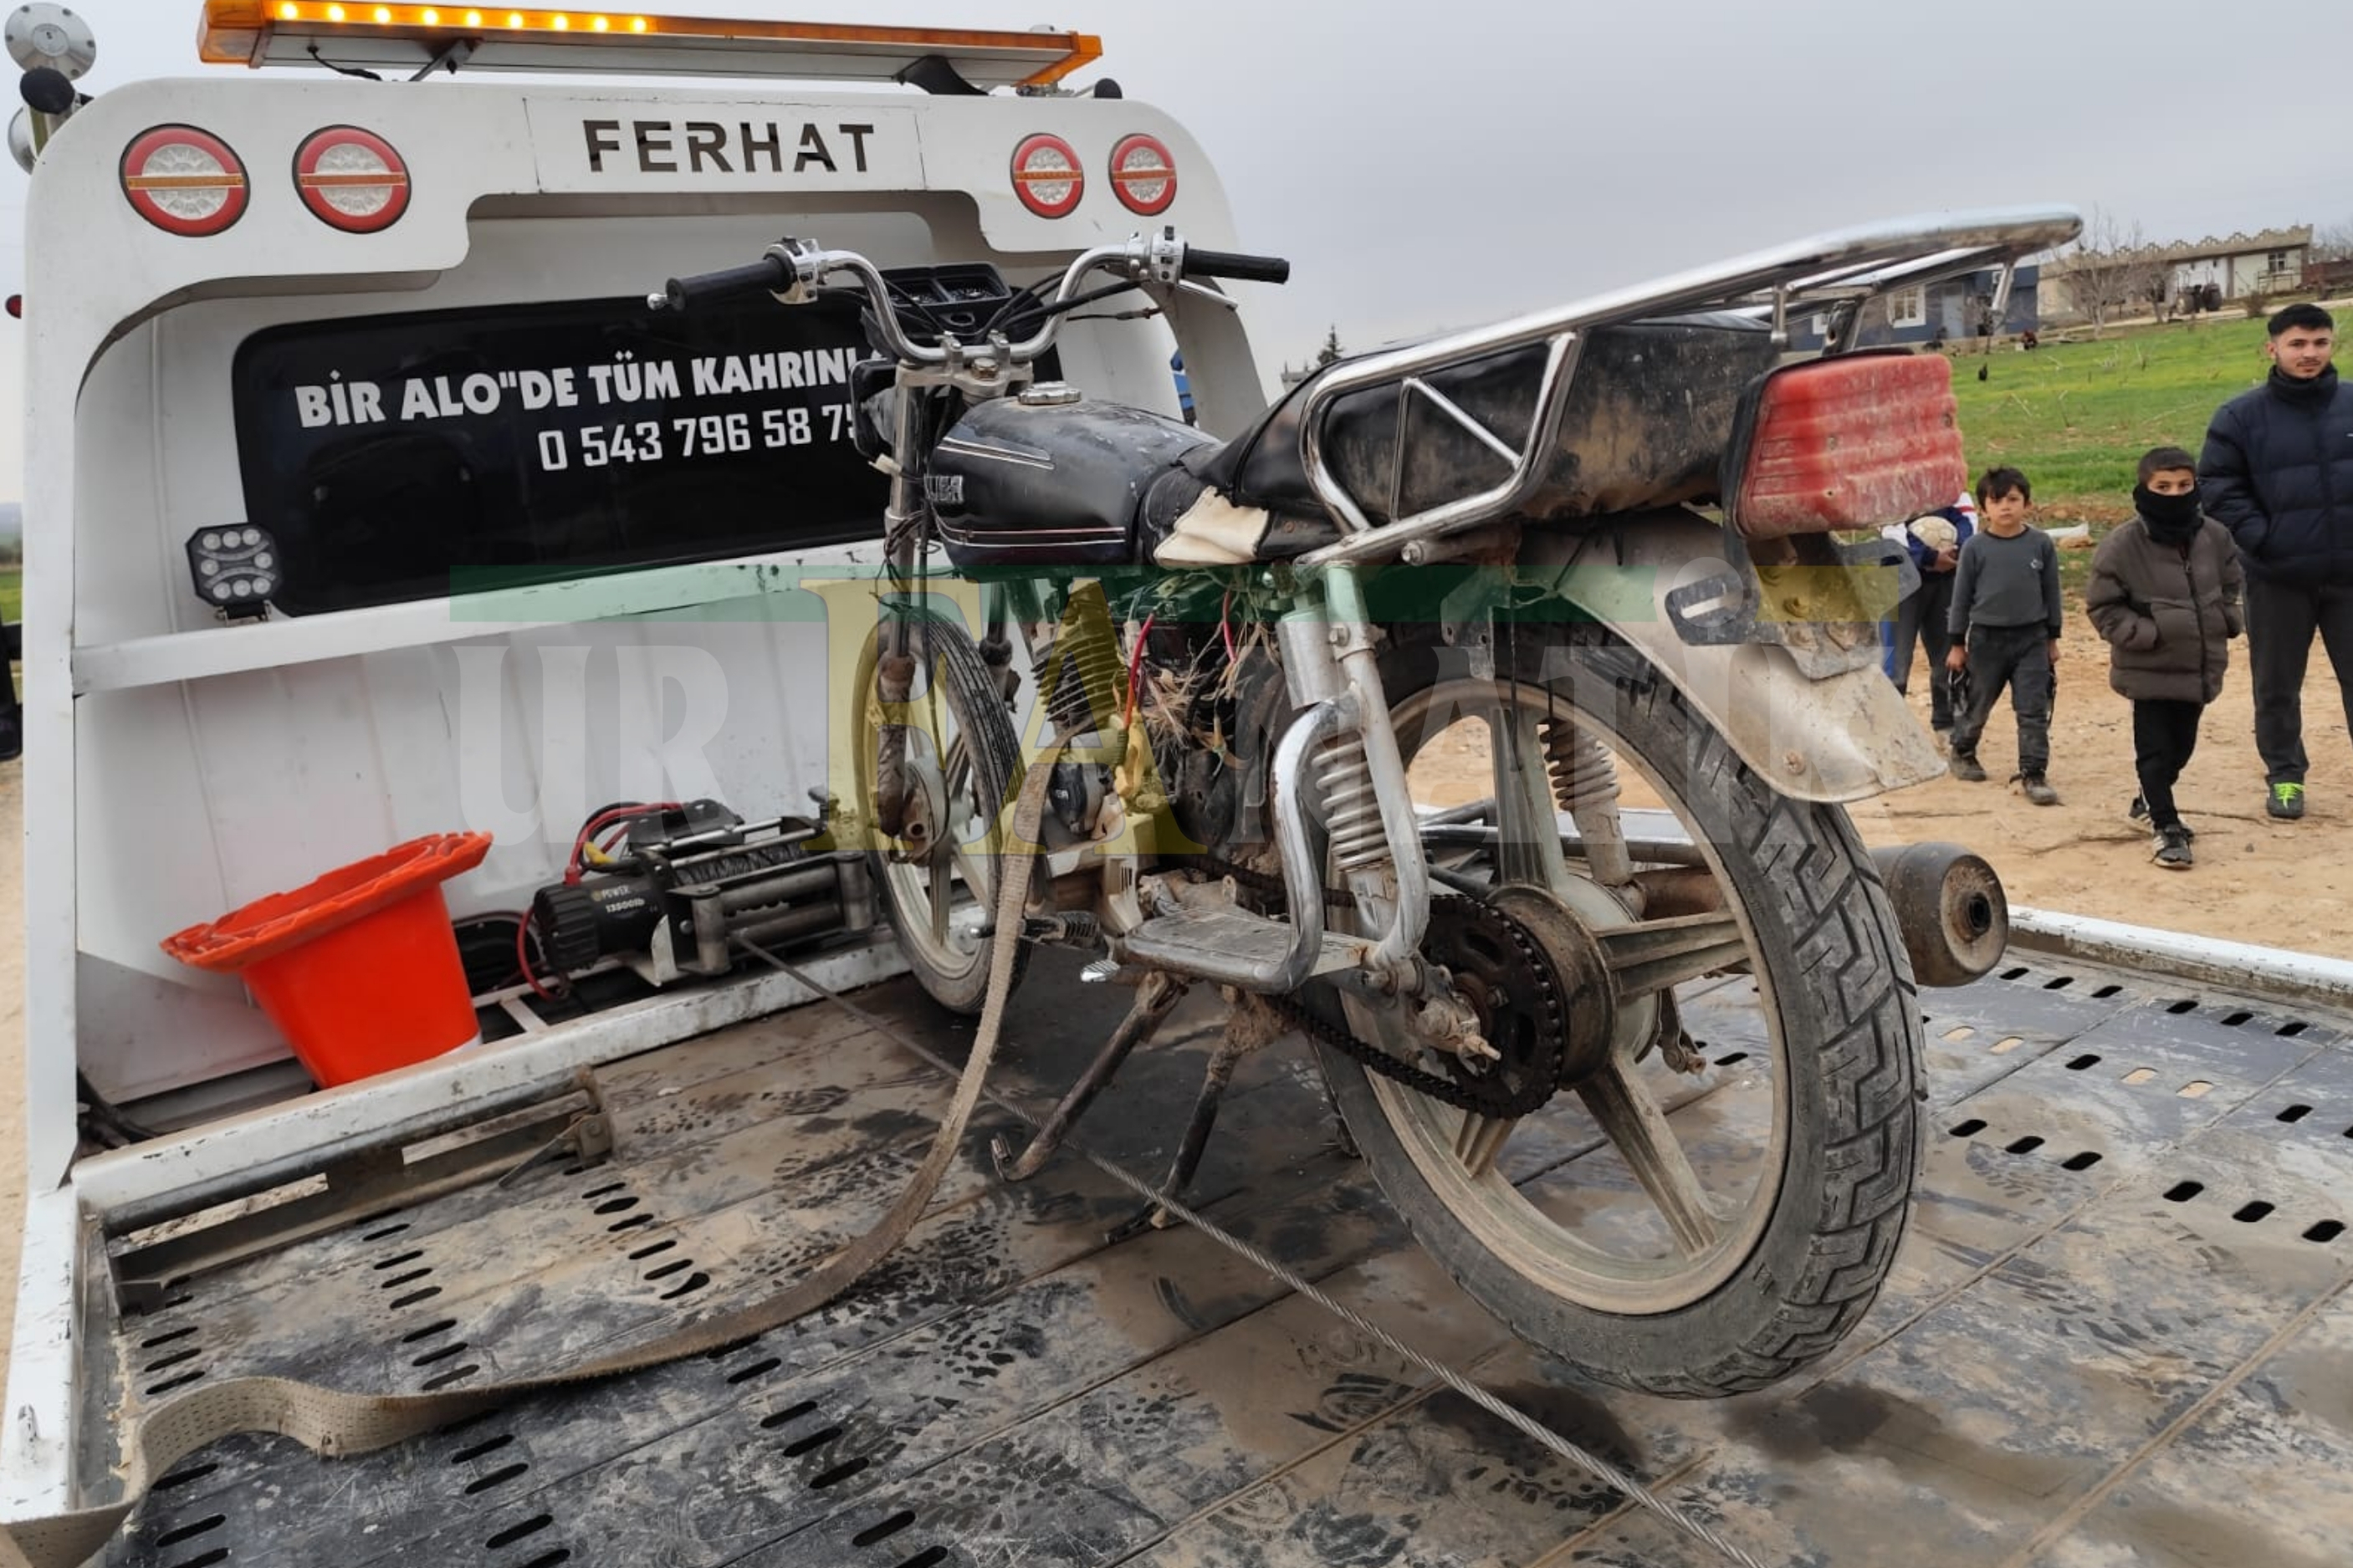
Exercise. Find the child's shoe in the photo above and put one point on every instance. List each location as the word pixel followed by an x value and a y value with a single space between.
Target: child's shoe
pixel 2172 848
pixel 1964 766
pixel 2038 789
pixel 2137 815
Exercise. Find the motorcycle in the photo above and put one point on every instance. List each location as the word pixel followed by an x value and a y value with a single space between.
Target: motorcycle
pixel 1489 546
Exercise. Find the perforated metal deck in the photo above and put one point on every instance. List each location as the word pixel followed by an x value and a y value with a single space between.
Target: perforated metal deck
pixel 2118 1332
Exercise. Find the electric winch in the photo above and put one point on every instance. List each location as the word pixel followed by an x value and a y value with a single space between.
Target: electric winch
pixel 669 889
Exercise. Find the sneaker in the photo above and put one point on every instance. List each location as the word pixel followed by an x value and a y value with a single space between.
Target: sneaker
pixel 2137 815
pixel 2285 801
pixel 1964 766
pixel 2171 849
pixel 2038 789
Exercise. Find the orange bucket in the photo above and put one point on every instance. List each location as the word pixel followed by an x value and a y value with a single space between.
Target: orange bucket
pixel 359 970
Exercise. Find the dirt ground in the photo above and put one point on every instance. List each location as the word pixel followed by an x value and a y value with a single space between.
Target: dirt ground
pixel 2272 883
pixel 2276 884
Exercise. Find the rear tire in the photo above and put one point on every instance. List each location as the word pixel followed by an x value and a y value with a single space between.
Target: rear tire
pixel 1837 996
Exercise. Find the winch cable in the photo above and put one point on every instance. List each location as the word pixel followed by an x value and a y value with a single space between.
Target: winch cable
pixel 1526 1426
pixel 332 1423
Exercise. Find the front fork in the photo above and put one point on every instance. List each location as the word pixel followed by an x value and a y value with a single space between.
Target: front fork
pixel 1358 774
pixel 896 671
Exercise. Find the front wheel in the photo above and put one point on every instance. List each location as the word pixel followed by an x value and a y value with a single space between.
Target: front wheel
pixel 1687 1235
pixel 961 761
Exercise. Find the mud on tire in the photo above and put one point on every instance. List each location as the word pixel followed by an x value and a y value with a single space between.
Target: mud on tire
pixel 1842 1001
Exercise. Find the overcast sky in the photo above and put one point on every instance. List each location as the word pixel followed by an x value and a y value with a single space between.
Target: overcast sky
pixel 1439 163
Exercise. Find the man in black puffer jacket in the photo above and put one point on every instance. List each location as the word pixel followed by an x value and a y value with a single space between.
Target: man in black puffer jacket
pixel 2278 472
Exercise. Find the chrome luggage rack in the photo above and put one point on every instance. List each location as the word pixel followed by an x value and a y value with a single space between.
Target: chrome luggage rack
pixel 1835 275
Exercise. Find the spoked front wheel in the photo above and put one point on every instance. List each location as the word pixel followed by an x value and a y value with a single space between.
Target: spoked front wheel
pixel 1692 1233
pixel 938 875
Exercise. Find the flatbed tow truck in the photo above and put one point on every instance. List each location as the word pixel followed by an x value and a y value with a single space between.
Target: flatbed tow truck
pixel 2117 1334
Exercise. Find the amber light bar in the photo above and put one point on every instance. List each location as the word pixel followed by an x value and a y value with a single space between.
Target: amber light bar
pixel 359 34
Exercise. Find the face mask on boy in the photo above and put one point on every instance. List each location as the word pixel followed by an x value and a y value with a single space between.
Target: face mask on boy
pixel 2170 519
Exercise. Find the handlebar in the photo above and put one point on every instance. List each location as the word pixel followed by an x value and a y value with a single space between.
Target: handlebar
pixel 793 268
pixel 1199 263
pixel 771 274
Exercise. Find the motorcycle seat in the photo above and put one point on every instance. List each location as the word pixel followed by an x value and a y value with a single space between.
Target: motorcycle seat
pixel 1649 415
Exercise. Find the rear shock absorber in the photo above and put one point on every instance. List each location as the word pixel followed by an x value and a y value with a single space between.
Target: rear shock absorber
pixel 1080 674
pixel 1584 784
pixel 1342 770
pixel 1352 812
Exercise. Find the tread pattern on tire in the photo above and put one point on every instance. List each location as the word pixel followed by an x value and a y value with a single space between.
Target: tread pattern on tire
pixel 1851 971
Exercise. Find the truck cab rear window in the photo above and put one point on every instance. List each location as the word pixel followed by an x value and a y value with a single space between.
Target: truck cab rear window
pixel 408 456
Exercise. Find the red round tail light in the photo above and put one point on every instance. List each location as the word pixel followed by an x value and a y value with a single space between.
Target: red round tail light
pixel 352 179
pixel 1143 175
pixel 1047 175
pixel 185 180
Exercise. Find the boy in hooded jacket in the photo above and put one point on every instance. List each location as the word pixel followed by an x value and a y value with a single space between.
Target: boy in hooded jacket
pixel 2165 592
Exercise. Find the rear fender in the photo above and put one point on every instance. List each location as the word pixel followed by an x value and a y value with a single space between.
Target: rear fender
pixel 1846 734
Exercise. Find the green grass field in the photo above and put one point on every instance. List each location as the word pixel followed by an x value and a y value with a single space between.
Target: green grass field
pixel 12 593
pixel 2077 417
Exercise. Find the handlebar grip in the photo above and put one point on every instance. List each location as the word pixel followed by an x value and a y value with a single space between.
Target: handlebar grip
pixel 1199 263
pixel 766 276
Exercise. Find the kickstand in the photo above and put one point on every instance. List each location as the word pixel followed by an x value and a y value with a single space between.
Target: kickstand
pixel 1344 1140
pixel 1153 1216
pixel 1156 996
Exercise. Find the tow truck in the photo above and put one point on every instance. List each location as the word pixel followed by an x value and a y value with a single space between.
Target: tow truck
pixel 368 505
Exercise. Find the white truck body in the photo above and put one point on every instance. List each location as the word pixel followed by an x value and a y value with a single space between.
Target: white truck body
pixel 178 767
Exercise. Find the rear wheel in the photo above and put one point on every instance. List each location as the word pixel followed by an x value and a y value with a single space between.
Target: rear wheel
pixel 1691 1235
pixel 939 879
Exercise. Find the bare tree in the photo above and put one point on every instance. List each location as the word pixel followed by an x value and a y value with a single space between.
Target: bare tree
pixel 2334 243
pixel 2111 269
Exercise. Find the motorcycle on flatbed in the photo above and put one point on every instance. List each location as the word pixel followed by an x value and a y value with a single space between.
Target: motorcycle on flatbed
pixel 1253 655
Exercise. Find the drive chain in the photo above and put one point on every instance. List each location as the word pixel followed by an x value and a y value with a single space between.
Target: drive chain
pixel 1486 1096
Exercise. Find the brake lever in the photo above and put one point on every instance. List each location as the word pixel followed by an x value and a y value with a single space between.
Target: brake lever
pixel 1227 300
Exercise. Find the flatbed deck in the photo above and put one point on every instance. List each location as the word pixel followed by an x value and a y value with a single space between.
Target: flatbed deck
pixel 2117 1332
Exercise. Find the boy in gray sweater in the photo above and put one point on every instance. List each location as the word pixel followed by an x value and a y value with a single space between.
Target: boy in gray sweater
pixel 2006 620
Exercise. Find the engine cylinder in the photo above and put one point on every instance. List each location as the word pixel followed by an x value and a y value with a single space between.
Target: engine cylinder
pixel 1079 674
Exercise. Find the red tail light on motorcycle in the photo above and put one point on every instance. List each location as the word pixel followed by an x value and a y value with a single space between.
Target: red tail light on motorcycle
pixel 1852 442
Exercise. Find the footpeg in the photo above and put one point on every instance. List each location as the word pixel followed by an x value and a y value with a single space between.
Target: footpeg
pixel 1229 946
pixel 1072 928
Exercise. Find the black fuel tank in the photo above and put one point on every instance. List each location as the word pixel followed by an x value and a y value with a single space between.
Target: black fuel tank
pixel 1018 484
